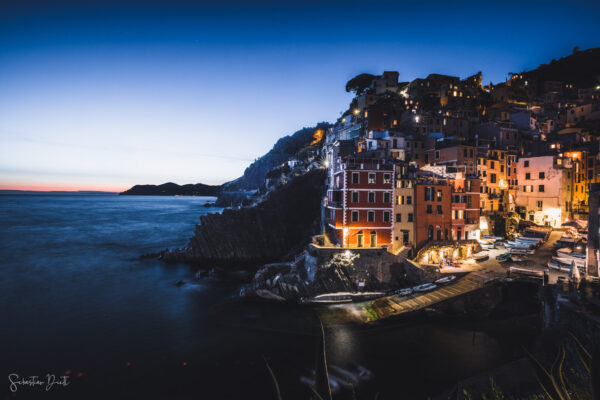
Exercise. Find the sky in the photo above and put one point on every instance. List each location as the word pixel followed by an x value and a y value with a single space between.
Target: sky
pixel 102 95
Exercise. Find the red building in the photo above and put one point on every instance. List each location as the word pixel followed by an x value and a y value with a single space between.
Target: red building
pixel 433 210
pixel 359 205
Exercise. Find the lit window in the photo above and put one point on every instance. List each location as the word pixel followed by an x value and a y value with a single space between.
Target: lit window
pixel 371 178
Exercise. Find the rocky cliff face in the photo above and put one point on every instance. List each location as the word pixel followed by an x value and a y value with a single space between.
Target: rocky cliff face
pixel 275 229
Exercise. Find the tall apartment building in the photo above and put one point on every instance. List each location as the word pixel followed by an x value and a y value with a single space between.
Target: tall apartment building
pixel 359 203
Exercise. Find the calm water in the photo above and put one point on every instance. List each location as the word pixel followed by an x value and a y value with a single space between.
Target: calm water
pixel 75 297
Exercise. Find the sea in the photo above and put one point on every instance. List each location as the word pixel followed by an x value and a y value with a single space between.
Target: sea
pixel 87 317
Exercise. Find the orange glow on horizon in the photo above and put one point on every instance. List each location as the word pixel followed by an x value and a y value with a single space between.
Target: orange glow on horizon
pixel 58 187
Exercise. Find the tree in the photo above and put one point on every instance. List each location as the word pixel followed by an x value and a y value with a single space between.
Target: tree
pixel 359 83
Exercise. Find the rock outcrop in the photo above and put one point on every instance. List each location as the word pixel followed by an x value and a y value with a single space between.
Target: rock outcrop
pixel 274 229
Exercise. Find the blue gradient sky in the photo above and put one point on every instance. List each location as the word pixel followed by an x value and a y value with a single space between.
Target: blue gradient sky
pixel 109 94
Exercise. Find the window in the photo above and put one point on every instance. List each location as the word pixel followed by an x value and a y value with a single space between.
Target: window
pixel 439 195
pixel 493 178
pixel 355 197
pixel 501 168
pixel 371 178
pixel 471 153
pixel 492 165
pixel 371 197
pixel 359 239
pixel 439 210
pixel 410 217
pixel 528 188
pixel 430 232
pixel 429 209
pixel 354 216
pixel 408 199
pixel 437 154
pixel 542 175
pixel 428 194
pixel 387 178
pixel 355 176
pixel 541 188
pixel 386 197
pixel 371 216
pixel 526 163
pixel 464 152
pixel 398 217
pixel 527 176
pixel 540 204
pixel 439 235
pixel 398 199
pixel 386 216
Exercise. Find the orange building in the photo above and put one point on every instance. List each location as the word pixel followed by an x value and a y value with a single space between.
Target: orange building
pixel 433 211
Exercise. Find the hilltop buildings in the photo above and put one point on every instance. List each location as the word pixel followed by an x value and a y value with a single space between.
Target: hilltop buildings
pixel 440 158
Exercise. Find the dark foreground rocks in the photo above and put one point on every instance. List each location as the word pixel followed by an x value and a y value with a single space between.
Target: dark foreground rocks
pixel 273 230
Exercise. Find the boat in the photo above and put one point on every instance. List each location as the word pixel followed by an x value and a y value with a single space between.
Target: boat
pixel 363 373
pixel 567 252
pixel 558 266
pixel 528 272
pixel 569 261
pixel 332 298
pixel 310 382
pixel 364 296
pixel 503 257
pixel 518 245
pixel 522 251
pixel 517 258
pixel 446 279
pixel 346 378
pixel 424 287
pixel 403 292
pixel 344 297
pixel 481 256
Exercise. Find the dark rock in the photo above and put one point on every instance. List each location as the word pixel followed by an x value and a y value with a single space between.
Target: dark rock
pixel 173 189
pixel 281 225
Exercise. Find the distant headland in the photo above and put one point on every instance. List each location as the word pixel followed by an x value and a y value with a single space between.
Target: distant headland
pixel 173 189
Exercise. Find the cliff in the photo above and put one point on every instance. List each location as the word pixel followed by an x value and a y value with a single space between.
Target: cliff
pixel 173 189
pixel 276 228
pixel 254 176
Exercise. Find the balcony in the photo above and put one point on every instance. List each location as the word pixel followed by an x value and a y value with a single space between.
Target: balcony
pixel 335 204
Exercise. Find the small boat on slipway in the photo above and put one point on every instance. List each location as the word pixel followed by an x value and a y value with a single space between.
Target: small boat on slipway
pixel 344 297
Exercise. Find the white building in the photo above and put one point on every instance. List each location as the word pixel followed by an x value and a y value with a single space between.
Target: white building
pixel 544 189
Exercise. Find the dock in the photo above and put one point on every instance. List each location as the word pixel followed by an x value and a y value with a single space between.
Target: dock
pixel 389 306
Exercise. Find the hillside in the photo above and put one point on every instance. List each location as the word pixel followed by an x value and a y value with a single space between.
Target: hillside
pixel 173 189
pixel 582 68
pixel 282 151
